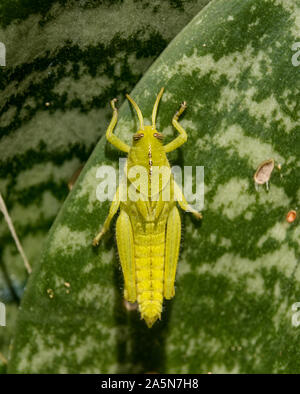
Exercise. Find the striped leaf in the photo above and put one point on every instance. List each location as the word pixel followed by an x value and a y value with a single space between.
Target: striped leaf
pixel 238 275
pixel 63 63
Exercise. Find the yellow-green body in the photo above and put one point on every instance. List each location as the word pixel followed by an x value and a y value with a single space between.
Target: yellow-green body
pixel 148 230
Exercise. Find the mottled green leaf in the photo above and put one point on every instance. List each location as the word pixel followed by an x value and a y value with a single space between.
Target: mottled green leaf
pixel 239 271
pixel 64 61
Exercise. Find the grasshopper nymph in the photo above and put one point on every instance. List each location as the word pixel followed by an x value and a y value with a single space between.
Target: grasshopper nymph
pixel 148 230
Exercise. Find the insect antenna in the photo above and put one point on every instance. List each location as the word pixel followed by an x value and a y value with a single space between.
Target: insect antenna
pixel 138 111
pixel 156 106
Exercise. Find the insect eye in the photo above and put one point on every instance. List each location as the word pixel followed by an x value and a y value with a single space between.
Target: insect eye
pixel 138 136
pixel 158 136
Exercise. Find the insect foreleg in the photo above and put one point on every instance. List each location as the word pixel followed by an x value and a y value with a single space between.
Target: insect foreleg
pixel 179 197
pixel 112 211
pixel 173 235
pixel 181 139
pixel 125 244
pixel 114 140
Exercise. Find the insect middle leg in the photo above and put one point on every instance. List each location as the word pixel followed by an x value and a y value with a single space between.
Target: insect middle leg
pixel 125 245
pixel 173 235
pixel 112 211
pixel 184 205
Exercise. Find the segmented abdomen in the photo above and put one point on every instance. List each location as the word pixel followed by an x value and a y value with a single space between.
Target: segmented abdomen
pixel 149 266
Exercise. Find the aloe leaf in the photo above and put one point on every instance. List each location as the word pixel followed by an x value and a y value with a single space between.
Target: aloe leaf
pixel 238 273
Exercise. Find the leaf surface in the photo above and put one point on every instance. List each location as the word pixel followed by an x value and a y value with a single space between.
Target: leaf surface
pixel 238 273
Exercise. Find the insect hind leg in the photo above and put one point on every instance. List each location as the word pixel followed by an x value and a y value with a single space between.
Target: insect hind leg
pixel 125 245
pixel 173 237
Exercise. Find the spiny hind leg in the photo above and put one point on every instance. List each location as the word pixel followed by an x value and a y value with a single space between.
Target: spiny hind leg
pixel 179 197
pixel 112 211
pixel 125 245
pixel 173 236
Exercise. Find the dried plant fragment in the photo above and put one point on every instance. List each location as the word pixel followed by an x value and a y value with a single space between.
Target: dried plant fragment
pixel 74 177
pixel 263 173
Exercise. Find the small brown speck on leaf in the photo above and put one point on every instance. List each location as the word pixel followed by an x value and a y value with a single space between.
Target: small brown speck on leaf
pixel 291 216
